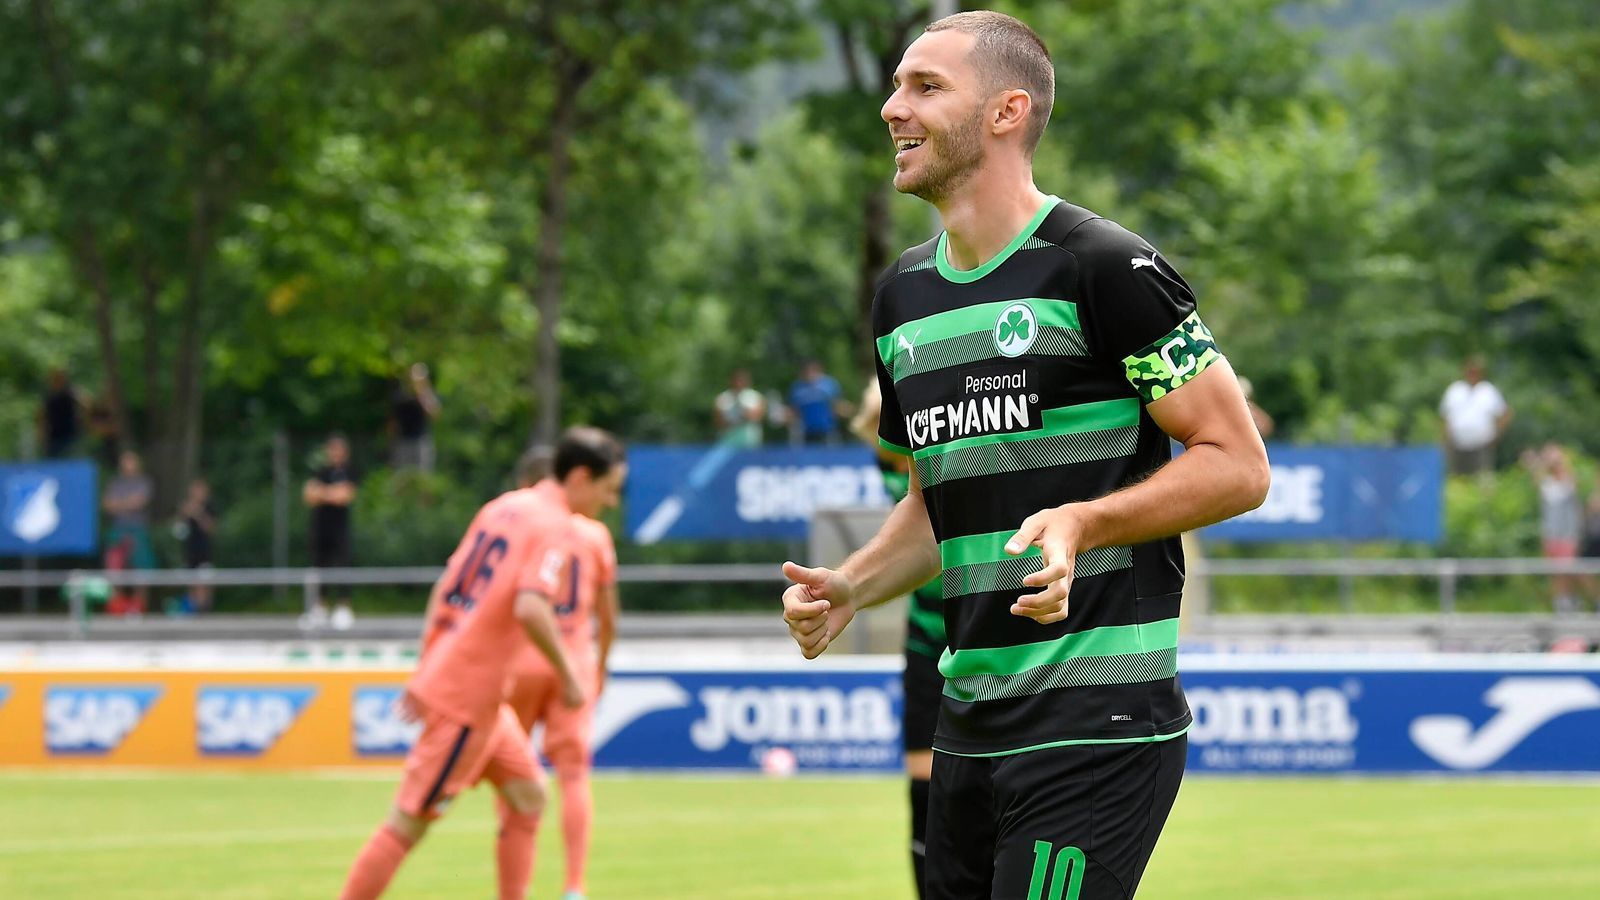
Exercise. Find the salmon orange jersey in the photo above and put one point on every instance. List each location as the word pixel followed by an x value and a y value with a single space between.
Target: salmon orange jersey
pixel 593 568
pixel 520 541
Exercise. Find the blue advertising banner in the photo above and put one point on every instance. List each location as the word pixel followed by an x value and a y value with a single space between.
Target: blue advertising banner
pixel 828 718
pixel 1504 714
pixel 1421 719
pixel 48 509
pixel 717 492
pixel 1318 493
pixel 1348 494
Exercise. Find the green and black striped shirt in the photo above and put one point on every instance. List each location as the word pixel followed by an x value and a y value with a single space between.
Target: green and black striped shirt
pixel 1018 386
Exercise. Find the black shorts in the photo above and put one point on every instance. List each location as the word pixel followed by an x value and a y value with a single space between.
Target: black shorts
pixel 1064 823
pixel 924 687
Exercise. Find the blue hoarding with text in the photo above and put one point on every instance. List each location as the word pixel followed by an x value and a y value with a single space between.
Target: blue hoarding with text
pixel 1432 715
pixel 718 493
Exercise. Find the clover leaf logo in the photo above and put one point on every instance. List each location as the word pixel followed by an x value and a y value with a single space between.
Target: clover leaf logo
pixel 1015 330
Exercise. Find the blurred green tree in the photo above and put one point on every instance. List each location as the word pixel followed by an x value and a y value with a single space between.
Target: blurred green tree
pixel 132 135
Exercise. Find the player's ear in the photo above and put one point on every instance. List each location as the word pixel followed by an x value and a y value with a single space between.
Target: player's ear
pixel 1010 112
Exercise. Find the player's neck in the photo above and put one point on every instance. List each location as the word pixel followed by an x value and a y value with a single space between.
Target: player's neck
pixel 983 217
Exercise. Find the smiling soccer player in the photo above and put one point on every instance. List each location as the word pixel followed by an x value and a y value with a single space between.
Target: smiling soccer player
pixel 1035 359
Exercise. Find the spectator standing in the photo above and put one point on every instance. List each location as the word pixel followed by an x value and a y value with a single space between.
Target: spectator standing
pixel 1475 416
pixel 127 502
pixel 740 411
pixel 60 416
pixel 814 405
pixel 330 493
pixel 197 523
pixel 411 416
pixel 1560 516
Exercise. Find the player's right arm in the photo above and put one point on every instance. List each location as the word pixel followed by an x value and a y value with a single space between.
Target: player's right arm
pixel 902 556
pixel 896 561
pixel 538 619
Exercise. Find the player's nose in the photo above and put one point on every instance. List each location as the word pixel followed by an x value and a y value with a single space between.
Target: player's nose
pixel 895 109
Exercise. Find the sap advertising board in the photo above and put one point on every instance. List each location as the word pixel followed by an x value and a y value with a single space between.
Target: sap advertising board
pixel 1327 493
pixel 1501 714
pixel 48 509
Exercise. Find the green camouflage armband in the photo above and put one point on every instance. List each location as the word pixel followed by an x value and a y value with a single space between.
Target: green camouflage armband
pixel 1171 361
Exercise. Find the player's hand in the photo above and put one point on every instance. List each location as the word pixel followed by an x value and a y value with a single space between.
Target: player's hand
pixel 816 607
pixel 571 693
pixel 1057 533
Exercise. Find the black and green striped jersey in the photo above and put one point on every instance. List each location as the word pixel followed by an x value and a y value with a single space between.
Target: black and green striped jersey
pixel 1018 386
pixel 925 606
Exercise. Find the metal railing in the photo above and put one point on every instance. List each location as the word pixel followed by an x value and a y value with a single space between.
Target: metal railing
pixel 311 581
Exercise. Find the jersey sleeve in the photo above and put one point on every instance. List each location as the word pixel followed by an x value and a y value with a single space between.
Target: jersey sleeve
pixel 1142 316
pixel 891 420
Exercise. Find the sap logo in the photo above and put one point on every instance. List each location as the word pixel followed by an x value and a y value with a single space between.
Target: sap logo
pixel 993 414
pixel 790 493
pixel 246 720
pixel 93 720
pixel 1240 715
pixel 376 726
pixel 1295 496
pixel 627 700
pixel 793 716
pixel 1524 704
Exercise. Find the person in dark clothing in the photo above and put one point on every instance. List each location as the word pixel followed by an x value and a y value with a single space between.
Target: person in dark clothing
pixel 329 493
pixel 196 524
pixel 60 416
pixel 411 421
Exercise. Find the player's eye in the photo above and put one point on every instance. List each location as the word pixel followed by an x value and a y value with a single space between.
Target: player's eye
pixel 928 87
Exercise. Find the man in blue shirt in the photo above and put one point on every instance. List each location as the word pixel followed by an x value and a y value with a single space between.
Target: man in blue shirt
pixel 812 404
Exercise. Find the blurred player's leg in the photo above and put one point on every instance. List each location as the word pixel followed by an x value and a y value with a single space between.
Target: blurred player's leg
pixel 444 760
pixel 567 743
pixel 519 781
pixel 376 864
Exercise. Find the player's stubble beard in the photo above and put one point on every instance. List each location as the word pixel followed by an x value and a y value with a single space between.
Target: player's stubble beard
pixel 958 152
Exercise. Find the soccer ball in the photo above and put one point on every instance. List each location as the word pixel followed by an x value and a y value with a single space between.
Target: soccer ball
pixel 779 762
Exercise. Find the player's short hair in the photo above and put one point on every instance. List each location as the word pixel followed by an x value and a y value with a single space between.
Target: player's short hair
pixel 1009 55
pixel 586 447
pixel 534 465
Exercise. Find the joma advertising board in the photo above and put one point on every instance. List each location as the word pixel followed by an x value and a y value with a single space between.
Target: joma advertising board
pixel 1488 714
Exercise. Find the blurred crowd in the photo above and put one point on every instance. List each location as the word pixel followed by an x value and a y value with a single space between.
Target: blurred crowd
pixel 811 413
pixel 72 423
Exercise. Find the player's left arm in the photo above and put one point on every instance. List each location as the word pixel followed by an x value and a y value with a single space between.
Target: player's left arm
pixel 608 605
pixel 608 611
pixel 1222 472
pixel 1190 392
pixel 536 614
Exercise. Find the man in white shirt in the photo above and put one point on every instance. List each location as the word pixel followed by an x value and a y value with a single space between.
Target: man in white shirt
pixel 739 412
pixel 1475 415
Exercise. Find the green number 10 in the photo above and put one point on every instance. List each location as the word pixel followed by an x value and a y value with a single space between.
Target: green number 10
pixel 1069 860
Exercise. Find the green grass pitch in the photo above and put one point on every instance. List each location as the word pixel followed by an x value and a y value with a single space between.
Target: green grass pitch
pixel 124 835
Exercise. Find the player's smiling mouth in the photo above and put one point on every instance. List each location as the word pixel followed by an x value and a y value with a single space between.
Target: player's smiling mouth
pixel 905 145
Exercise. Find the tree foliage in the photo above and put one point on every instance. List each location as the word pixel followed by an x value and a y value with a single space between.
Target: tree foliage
pixel 231 218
